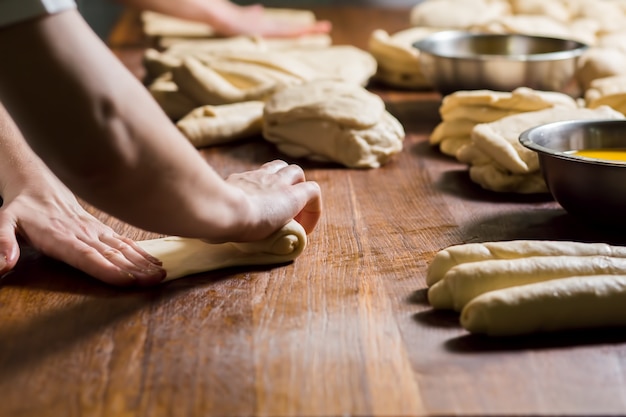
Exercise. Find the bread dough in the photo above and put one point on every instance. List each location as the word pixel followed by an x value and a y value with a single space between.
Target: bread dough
pixel 599 63
pixel 466 281
pixel 184 256
pixel 398 60
pixel 214 125
pixel 157 24
pixel 500 139
pixel 562 304
pixel 491 176
pixel 328 120
pixel 455 255
pixel 608 91
pixel 453 14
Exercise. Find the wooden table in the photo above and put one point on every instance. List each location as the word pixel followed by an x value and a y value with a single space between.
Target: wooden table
pixel 344 330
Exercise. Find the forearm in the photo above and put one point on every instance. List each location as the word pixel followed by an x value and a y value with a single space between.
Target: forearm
pixel 17 161
pixel 100 132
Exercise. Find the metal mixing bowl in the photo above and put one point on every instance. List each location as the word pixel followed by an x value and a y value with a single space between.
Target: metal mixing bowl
pixel 460 60
pixel 592 188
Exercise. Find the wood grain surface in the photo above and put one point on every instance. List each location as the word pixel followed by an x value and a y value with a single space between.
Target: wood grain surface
pixel 343 330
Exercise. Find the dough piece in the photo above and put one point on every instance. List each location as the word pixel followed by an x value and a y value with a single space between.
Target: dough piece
pixel 173 102
pixel 556 9
pixel 207 87
pixel 493 177
pixel 608 91
pixel 158 64
pixel 157 24
pixel 461 128
pixel 455 255
pixel 527 24
pixel 244 43
pixel 467 281
pixel 213 125
pixel 346 63
pixel 562 304
pixel 599 63
pixel 500 139
pixel 398 61
pixel 453 14
pixel 452 145
pixel 333 121
pixel 184 256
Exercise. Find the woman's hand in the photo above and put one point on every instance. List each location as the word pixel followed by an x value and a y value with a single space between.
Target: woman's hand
pixel 277 192
pixel 46 215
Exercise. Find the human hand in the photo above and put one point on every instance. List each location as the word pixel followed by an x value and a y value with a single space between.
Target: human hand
pixel 252 20
pixel 277 192
pixel 47 216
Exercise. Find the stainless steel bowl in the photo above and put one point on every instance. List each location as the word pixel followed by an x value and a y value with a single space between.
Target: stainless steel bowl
pixel 460 60
pixel 593 189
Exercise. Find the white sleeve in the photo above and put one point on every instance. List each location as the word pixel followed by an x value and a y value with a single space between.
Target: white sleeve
pixel 13 11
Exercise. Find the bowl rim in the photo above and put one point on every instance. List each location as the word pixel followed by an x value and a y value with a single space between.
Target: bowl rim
pixel 526 141
pixel 424 45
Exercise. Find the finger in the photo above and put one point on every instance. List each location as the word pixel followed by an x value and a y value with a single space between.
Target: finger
pixel 112 266
pixel 131 250
pixel 9 247
pixel 293 173
pixel 310 214
pixel 273 166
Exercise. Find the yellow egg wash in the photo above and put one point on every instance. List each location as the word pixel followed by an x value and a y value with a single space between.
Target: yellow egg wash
pixel 616 154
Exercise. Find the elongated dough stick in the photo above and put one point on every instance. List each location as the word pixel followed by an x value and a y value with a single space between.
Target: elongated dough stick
pixel 184 256
pixel 561 304
pixel 467 281
pixel 474 252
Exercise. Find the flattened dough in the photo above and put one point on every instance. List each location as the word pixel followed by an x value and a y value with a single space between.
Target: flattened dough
pixel 213 125
pixel 184 256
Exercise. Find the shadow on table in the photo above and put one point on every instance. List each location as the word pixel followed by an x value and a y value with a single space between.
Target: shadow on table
pixel 78 307
pixel 484 344
pixel 472 343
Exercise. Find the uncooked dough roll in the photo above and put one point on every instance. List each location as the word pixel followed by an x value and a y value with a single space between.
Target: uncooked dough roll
pixel 567 303
pixel 447 258
pixel 185 256
pixel 464 282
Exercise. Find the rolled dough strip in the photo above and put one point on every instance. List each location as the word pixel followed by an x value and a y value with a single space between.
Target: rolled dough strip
pixel 467 281
pixel 562 304
pixel 185 256
pixel 474 252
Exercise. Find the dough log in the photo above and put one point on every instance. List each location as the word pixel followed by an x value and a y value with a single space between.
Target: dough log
pixel 474 252
pixel 466 281
pixel 185 256
pixel 563 304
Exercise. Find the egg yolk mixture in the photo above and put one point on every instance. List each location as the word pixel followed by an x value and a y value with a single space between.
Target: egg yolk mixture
pixel 617 154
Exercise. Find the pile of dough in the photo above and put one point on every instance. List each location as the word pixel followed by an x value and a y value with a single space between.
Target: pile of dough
pixel 462 110
pixel 499 162
pixel 214 125
pixel 328 120
pixel 524 286
pixel 398 61
pixel 184 256
pixel 224 76
pixel 608 91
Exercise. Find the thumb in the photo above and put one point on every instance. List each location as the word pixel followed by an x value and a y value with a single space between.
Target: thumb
pixel 9 248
